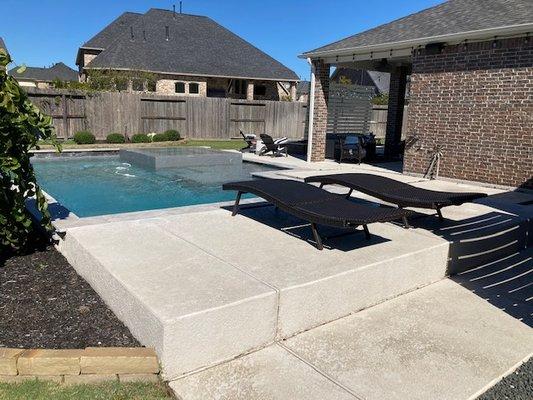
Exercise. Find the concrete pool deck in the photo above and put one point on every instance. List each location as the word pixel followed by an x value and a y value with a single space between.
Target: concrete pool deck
pixel 204 288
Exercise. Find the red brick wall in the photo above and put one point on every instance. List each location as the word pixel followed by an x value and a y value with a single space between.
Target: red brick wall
pixel 476 103
pixel 320 113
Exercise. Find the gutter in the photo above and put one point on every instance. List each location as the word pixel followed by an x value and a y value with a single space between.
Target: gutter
pixel 489 33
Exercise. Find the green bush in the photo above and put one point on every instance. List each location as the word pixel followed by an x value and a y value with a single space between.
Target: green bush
pixel 22 125
pixel 172 135
pixel 140 138
pixel 84 137
pixel 160 137
pixel 115 138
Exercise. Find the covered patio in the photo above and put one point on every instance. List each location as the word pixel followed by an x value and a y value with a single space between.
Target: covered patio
pixel 469 113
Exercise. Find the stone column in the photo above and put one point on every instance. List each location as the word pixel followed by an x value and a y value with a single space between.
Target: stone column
pixel 293 91
pixel 320 110
pixel 249 90
pixel 393 135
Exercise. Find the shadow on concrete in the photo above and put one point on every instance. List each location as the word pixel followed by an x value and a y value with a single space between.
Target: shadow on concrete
pixel 333 238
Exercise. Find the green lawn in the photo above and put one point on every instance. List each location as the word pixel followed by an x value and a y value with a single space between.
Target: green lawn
pixel 36 390
pixel 215 144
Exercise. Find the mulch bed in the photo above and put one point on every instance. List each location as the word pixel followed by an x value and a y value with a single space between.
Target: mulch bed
pixel 44 303
pixel 516 386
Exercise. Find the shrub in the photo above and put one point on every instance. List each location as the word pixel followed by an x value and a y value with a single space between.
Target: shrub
pixel 140 138
pixel 160 137
pixel 172 135
pixel 84 137
pixel 115 138
pixel 22 125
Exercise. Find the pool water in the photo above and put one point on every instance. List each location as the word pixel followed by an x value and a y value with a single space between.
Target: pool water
pixel 99 185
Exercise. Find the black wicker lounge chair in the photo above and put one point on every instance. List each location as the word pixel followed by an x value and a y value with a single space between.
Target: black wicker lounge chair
pixel 314 205
pixel 250 140
pixel 395 192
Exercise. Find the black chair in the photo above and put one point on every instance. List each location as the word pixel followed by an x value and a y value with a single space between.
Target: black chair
pixel 250 140
pixel 276 147
pixel 350 147
pixel 396 192
pixel 315 205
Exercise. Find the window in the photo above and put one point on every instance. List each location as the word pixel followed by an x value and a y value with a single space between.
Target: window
pixel 151 85
pixel 179 87
pixel 260 90
pixel 194 88
pixel 240 86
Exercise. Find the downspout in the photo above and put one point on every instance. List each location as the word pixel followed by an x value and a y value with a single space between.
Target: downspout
pixel 311 111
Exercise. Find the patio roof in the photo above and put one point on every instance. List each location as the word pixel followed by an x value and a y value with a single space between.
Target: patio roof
pixel 451 22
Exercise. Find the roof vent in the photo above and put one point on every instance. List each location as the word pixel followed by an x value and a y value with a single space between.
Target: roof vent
pixel 131 33
pixel 144 35
pixel 167 33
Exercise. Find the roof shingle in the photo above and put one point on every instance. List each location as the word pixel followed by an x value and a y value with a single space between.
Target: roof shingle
pixel 57 71
pixel 195 45
pixel 451 17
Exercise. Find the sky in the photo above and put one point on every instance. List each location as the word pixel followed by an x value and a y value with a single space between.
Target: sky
pixel 40 33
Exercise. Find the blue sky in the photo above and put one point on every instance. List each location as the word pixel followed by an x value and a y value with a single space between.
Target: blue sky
pixel 40 33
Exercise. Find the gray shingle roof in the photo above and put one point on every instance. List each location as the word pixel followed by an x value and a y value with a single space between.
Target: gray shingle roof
pixel 107 35
pixel 57 71
pixel 451 17
pixel 302 88
pixel 196 45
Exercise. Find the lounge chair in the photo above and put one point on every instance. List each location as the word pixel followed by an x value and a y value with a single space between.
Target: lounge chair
pixel 314 205
pixel 395 192
pixel 275 146
pixel 250 140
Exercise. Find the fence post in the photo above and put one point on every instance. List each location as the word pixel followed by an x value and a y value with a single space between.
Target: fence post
pixel 65 115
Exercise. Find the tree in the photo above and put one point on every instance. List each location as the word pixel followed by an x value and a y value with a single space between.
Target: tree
pixel 22 125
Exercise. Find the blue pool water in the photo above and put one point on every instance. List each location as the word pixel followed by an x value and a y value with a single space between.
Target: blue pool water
pixel 99 185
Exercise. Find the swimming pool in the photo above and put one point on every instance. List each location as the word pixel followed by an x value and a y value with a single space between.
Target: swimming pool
pixel 105 184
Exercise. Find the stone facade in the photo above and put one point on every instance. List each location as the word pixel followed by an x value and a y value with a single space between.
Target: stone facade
pixel 167 85
pixel 320 110
pixel 474 103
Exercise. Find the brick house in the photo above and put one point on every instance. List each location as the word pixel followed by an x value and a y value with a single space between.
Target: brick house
pixel 43 77
pixel 188 55
pixel 470 65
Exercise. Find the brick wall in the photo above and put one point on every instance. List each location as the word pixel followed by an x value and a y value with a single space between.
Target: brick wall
pixel 320 110
pixel 475 102
pixel 395 111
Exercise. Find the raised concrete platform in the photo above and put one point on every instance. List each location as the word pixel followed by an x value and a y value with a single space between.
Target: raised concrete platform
pixel 205 287
pixel 439 342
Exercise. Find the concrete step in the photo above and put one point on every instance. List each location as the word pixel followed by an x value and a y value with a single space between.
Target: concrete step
pixel 206 287
pixel 440 342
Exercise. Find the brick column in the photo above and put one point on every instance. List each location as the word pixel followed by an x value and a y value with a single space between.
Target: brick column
pixel 320 110
pixel 393 135
pixel 250 90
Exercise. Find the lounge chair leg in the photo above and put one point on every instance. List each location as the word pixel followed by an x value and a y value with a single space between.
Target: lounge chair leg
pixel 318 240
pixel 439 213
pixel 405 222
pixel 349 194
pixel 367 232
pixel 322 185
pixel 236 205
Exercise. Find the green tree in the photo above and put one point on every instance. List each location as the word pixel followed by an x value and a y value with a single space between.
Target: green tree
pixel 21 126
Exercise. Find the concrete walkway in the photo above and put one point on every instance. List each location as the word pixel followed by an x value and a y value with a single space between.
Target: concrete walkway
pixel 439 342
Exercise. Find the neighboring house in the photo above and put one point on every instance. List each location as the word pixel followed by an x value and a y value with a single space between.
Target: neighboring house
pixel 470 64
pixel 378 80
pixel 302 91
pixel 43 77
pixel 189 55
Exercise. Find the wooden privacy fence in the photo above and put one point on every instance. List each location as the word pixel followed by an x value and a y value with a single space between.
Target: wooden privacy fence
pixel 378 123
pixel 195 117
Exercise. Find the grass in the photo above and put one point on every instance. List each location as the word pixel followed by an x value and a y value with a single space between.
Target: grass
pixel 38 390
pixel 213 143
